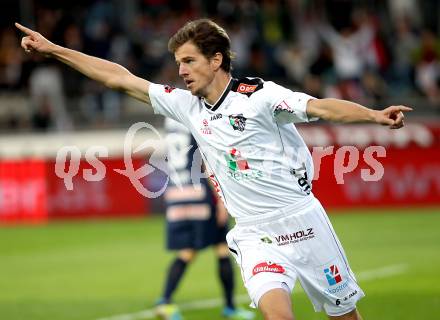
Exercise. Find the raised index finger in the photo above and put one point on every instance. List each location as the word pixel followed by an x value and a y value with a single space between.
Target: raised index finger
pixel 24 29
pixel 404 108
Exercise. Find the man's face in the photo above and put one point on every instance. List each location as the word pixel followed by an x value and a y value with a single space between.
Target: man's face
pixel 195 69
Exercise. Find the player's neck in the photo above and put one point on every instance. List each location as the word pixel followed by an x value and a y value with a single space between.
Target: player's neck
pixel 217 87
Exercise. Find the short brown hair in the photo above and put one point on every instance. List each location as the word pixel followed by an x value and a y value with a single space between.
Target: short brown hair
pixel 208 36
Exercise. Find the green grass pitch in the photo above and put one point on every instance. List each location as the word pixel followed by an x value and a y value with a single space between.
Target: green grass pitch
pixel 97 269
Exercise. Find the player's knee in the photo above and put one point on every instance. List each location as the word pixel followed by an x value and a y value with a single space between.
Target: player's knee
pixel 187 255
pixel 222 250
pixel 277 315
pixel 273 300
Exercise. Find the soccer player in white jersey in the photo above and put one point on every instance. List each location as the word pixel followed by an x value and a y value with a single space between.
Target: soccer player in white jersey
pixel 257 161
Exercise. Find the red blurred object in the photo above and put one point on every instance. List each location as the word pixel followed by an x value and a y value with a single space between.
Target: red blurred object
pixel 30 192
pixel 113 196
pixel 411 175
pixel 23 193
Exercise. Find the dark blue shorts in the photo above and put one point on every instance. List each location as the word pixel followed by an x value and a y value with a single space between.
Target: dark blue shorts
pixel 191 218
pixel 194 234
pixel 193 224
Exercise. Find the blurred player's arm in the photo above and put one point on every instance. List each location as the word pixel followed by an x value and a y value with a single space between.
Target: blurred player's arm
pixel 110 74
pixel 345 111
pixel 221 213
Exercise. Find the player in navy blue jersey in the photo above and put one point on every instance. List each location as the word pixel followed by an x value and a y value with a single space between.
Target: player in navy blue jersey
pixel 195 220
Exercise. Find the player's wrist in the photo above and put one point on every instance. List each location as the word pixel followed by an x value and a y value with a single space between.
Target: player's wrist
pixel 374 116
pixel 54 51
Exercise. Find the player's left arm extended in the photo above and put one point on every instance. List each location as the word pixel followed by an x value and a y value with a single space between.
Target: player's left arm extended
pixel 345 111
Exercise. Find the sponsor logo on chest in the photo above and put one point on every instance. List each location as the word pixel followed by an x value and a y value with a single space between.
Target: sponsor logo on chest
pixel 216 116
pixel 239 168
pixel 205 129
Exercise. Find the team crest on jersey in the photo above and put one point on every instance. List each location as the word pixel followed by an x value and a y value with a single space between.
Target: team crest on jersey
pixel 205 129
pixel 168 88
pixel 237 121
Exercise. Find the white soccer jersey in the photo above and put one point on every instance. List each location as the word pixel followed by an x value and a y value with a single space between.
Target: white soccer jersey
pixel 256 158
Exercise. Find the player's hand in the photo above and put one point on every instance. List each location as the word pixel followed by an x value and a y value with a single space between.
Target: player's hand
pixel 392 116
pixel 35 42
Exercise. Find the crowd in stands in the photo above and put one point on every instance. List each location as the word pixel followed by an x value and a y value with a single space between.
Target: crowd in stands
pixel 366 51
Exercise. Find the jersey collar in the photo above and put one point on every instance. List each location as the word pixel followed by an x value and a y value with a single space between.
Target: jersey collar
pixel 221 99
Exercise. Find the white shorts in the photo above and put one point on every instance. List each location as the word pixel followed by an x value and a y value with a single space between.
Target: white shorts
pixel 297 242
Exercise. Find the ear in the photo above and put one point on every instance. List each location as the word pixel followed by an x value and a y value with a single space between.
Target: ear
pixel 216 61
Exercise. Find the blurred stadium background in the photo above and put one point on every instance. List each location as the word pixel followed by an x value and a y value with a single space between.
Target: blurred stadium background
pixel 63 255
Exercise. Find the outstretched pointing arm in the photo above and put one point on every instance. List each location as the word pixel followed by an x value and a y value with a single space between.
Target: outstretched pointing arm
pixel 110 74
pixel 346 111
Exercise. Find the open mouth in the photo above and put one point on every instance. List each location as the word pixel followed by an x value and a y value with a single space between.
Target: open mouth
pixel 188 82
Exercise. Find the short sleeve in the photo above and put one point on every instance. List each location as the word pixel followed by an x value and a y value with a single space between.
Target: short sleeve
pixel 169 101
pixel 287 105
